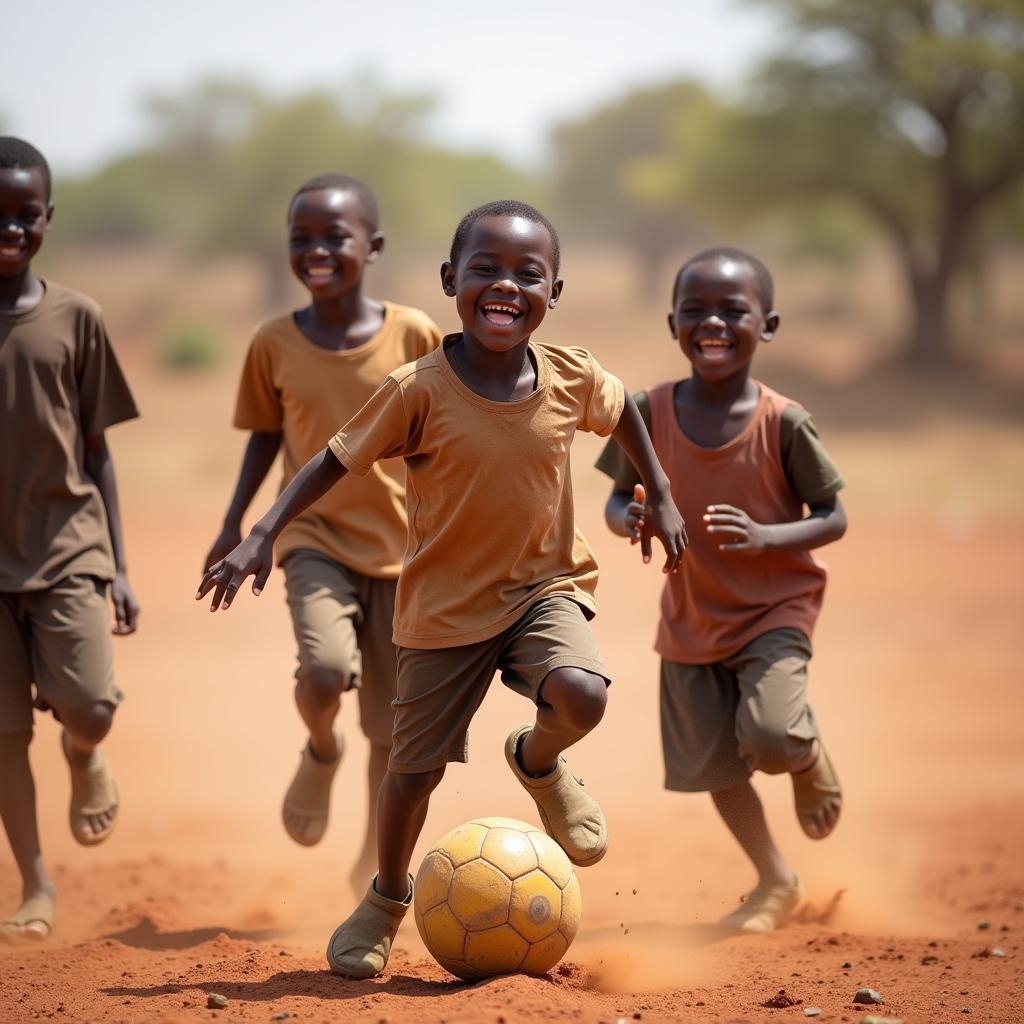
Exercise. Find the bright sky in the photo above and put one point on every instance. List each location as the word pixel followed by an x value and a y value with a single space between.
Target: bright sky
pixel 75 72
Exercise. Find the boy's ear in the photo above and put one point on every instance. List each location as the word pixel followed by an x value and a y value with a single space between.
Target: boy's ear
pixel 556 291
pixel 771 325
pixel 376 246
pixel 49 212
pixel 448 279
pixel 672 324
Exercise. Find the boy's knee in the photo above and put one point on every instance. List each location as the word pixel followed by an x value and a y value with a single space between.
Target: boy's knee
pixel 89 723
pixel 774 750
pixel 324 684
pixel 578 697
pixel 414 786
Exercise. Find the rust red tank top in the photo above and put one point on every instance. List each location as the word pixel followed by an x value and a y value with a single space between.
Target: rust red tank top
pixel 721 600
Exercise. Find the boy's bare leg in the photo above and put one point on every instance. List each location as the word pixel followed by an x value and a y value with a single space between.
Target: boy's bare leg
pixel 402 810
pixel 376 769
pixel 18 813
pixel 571 703
pixel 84 729
pixel 741 809
pixel 318 698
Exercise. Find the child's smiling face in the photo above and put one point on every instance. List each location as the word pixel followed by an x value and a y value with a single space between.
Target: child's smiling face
pixel 25 212
pixel 329 244
pixel 504 281
pixel 719 316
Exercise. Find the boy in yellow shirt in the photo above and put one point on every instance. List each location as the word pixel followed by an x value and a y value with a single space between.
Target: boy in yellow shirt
pixel 496 575
pixel 305 373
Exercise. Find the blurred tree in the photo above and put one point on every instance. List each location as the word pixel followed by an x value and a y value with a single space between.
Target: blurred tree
pixel 610 178
pixel 913 109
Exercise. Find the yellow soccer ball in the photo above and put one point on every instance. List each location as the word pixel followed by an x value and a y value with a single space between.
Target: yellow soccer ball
pixel 497 896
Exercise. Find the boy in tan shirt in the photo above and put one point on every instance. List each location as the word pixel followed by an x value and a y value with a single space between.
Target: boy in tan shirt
pixel 61 548
pixel 737 620
pixel 305 373
pixel 496 575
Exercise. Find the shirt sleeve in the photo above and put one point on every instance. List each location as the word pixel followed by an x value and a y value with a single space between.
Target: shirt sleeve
pixel 103 393
pixel 605 401
pixel 614 462
pixel 810 471
pixel 258 406
pixel 380 430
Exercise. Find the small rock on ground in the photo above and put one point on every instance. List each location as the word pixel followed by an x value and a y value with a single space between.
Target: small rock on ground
pixel 812 1011
pixel 215 1001
pixel 866 995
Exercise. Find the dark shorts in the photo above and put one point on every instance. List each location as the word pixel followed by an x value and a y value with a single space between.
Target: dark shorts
pixel 440 690
pixel 56 641
pixel 343 623
pixel 747 713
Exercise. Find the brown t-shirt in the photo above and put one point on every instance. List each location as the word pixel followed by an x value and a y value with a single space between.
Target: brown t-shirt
pixel 721 600
pixel 491 527
pixel 59 382
pixel 293 386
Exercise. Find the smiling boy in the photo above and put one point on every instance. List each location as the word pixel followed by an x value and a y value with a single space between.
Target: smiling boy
pixel 61 548
pixel 305 373
pixel 737 620
pixel 496 575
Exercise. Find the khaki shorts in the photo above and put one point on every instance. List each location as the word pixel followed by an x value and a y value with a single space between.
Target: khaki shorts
pixel 721 722
pixel 440 690
pixel 343 625
pixel 56 640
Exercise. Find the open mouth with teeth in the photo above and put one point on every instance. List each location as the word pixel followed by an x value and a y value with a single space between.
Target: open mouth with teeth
pixel 10 252
pixel 501 314
pixel 319 273
pixel 714 350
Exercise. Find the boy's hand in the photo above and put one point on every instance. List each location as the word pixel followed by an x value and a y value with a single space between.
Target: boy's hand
pixel 634 516
pixel 126 607
pixel 253 557
pixel 227 540
pixel 753 538
pixel 662 520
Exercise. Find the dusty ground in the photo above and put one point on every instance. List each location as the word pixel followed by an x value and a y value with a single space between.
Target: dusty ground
pixel 915 682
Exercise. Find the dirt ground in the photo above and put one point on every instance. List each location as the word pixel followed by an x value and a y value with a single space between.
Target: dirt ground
pixel 919 894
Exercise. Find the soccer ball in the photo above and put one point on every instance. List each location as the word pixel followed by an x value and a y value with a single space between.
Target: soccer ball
pixel 496 896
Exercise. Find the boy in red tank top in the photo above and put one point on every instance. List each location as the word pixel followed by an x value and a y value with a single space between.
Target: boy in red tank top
pixel 737 619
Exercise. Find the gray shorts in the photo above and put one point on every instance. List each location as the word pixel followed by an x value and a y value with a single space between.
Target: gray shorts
pixel 343 623
pixel 747 713
pixel 58 641
pixel 440 690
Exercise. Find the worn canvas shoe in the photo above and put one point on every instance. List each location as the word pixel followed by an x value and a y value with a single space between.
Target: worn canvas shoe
pixel 361 945
pixel 570 815
pixel 769 906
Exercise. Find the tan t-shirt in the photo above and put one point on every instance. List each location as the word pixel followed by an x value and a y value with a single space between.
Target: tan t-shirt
pixel 59 382
pixel 304 391
pixel 491 527
pixel 721 600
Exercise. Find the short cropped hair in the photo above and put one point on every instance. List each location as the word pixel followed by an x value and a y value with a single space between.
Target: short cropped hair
pixel 365 198
pixel 765 285
pixel 504 208
pixel 18 153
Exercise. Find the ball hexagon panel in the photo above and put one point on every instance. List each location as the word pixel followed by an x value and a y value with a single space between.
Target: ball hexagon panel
pixel 441 932
pixel 509 850
pixel 496 950
pixel 479 895
pixel 543 955
pixel 433 880
pixel 536 908
pixel 551 859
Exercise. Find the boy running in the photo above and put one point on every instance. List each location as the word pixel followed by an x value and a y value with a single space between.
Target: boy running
pixel 305 373
pixel 496 575
pixel 736 621
pixel 61 549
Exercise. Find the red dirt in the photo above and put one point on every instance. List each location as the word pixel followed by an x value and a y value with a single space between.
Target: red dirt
pixel 915 683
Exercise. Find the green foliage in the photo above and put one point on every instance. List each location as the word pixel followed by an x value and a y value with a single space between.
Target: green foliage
pixel 191 346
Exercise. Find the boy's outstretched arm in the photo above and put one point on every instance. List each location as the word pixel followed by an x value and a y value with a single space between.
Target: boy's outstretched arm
pixel 255 555
pixel 825 522
pixel 661 517
pixel 259 456
pixel 100 468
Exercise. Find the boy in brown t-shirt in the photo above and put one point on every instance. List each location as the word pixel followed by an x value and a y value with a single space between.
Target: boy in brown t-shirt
pixel 305 373
pixel 496 575
pixel 736 621
pixel 61 550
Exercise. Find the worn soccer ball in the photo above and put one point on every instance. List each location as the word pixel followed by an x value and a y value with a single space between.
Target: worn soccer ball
pixel 496 896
